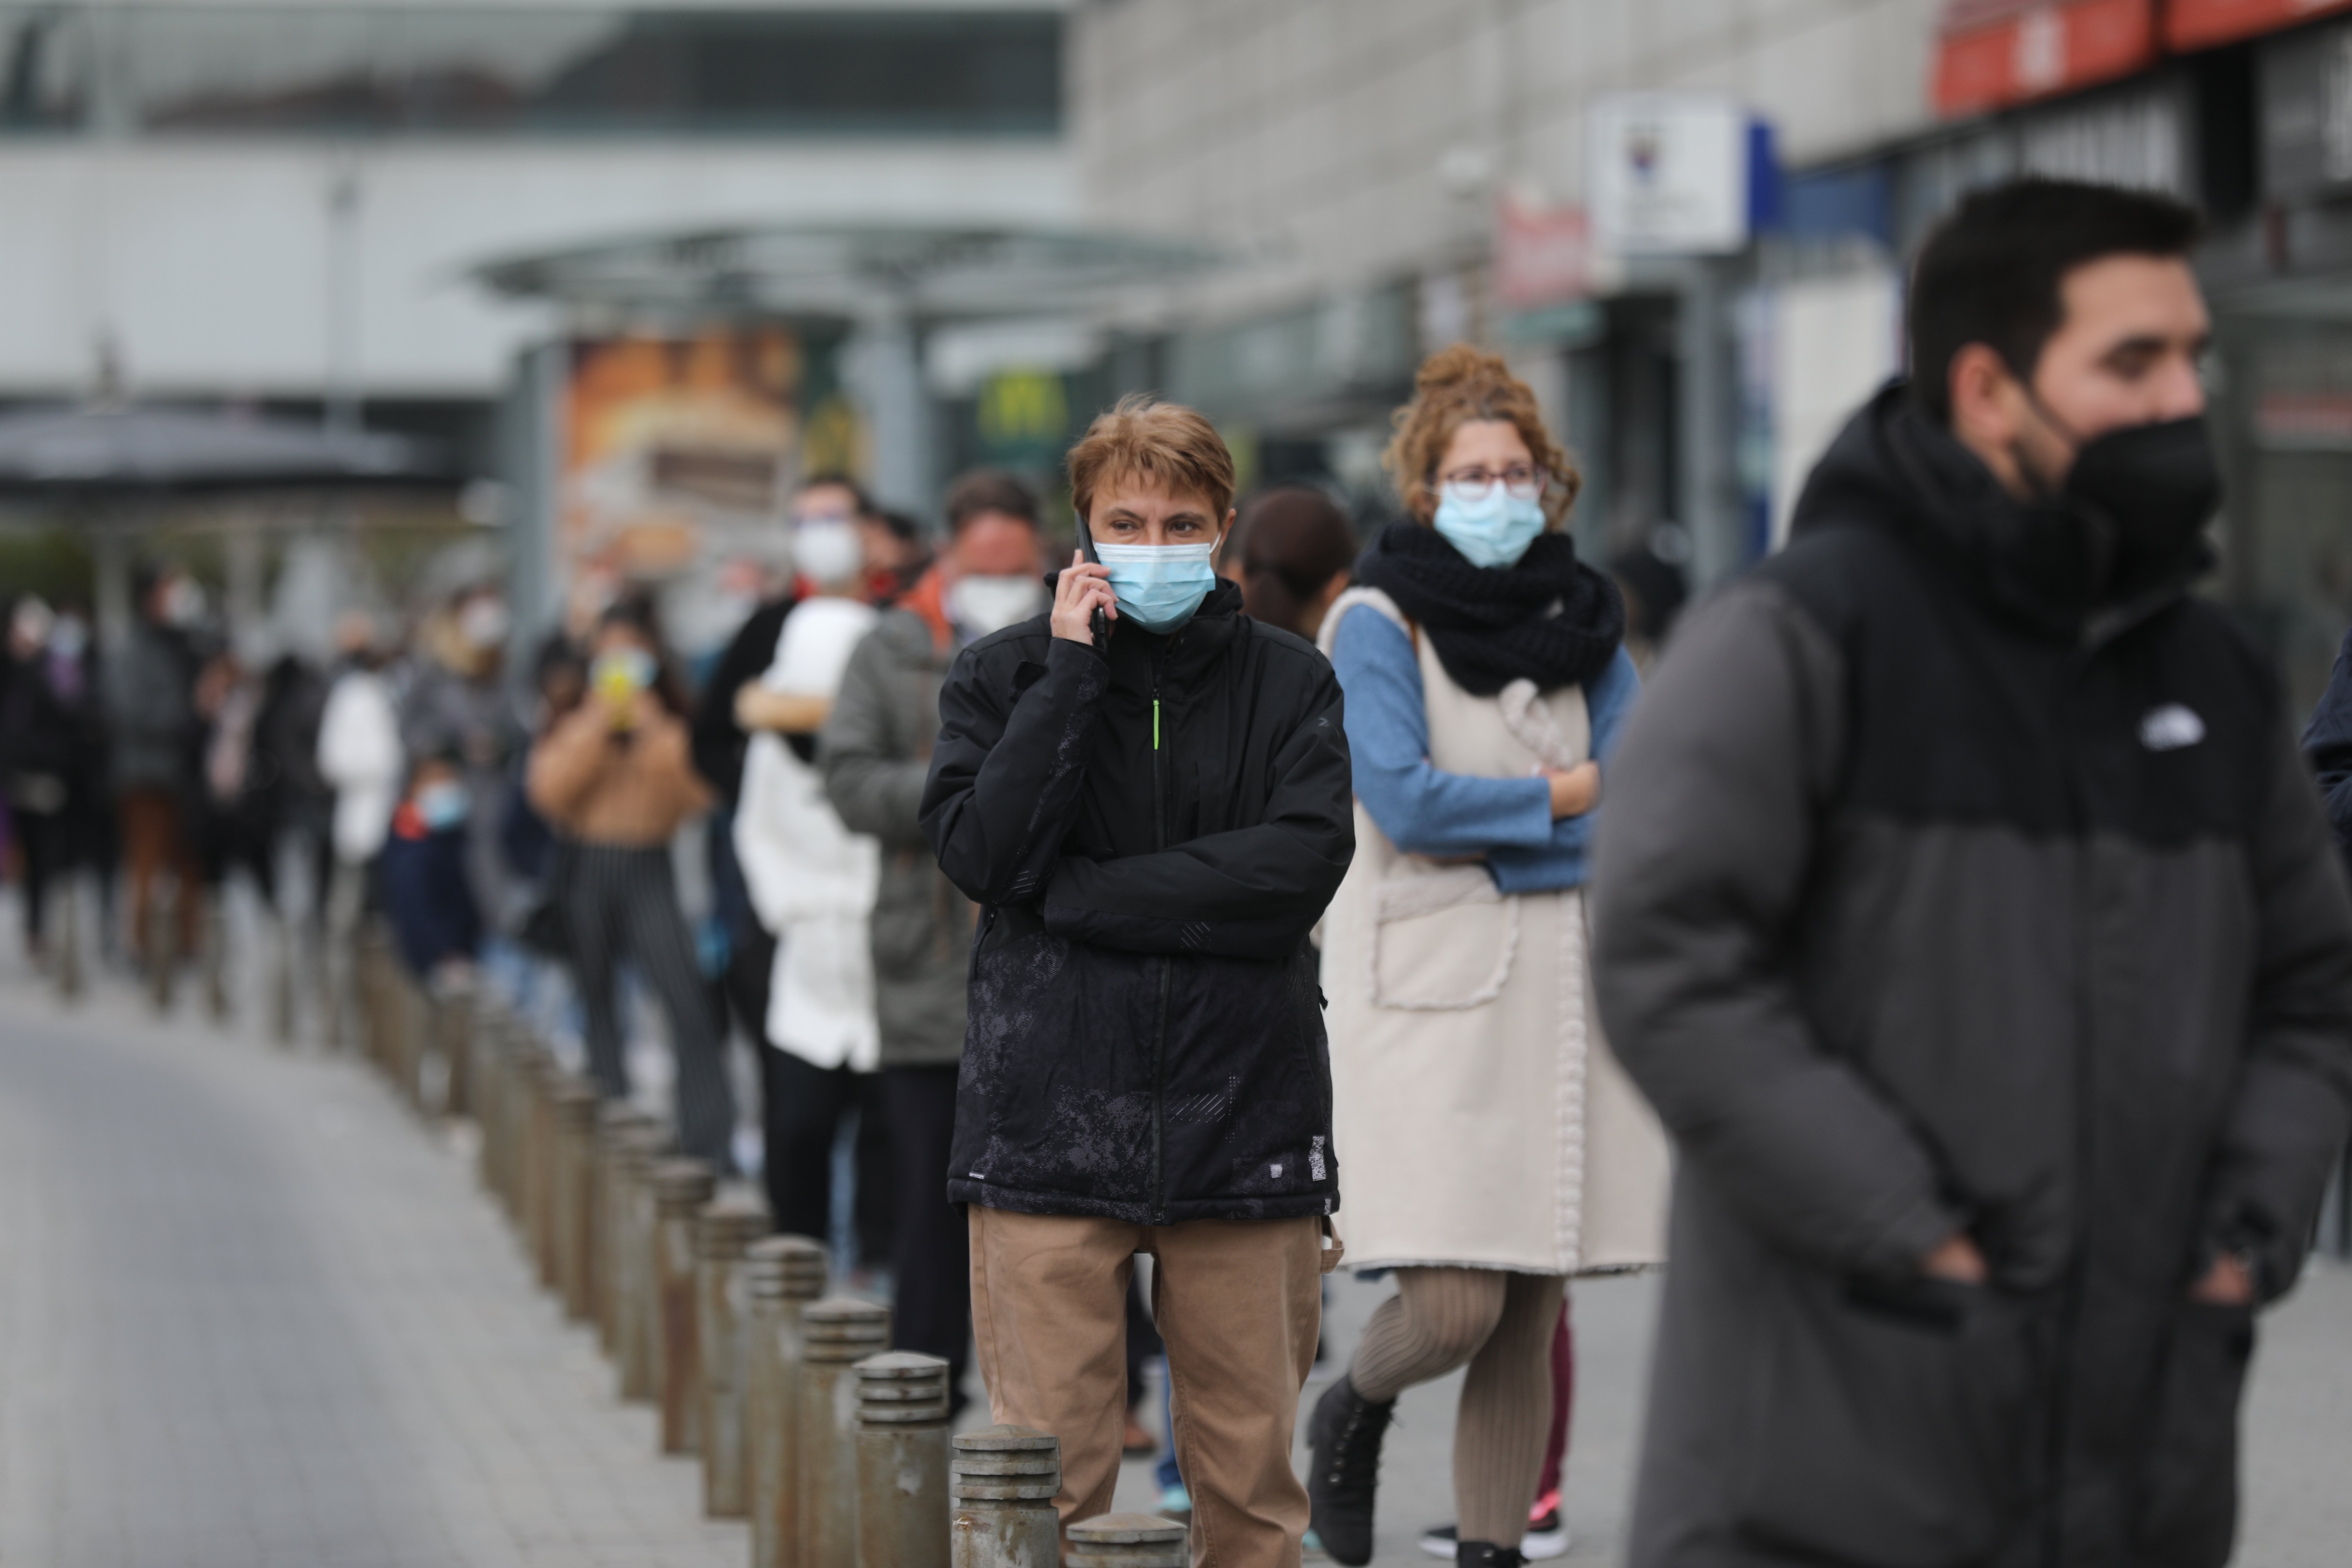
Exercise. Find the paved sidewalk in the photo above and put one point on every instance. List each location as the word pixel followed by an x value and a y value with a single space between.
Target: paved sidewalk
pixel 251 1312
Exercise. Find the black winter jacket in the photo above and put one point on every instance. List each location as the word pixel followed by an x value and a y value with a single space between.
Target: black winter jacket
pixel 1935 893
pixel 1151 836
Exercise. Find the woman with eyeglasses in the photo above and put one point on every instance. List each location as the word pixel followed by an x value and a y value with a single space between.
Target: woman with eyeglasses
pixel 1493 1146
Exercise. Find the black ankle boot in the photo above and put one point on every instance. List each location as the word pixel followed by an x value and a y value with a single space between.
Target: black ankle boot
pixel 1343 1438
pixel 1478 1554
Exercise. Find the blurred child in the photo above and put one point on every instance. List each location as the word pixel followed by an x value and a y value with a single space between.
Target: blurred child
pixel 423 876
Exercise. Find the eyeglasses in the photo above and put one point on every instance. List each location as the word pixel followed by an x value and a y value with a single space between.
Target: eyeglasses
pixel 1524 481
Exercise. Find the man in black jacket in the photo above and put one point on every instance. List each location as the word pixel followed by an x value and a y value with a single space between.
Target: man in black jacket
pixel 1967 912
pixel 1151 822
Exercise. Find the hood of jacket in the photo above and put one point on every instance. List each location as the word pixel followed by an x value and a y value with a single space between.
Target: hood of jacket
pixel 2048 566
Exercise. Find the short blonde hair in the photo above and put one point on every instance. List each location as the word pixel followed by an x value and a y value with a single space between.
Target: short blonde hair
pixel 1144 438
pixel 1453 388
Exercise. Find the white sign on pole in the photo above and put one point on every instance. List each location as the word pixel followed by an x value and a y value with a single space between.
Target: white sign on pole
pixel 1668 175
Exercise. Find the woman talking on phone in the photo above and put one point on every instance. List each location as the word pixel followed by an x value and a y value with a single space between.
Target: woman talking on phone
pixel 614 776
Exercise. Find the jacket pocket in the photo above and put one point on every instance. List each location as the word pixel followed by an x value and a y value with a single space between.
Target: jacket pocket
pixel 2187 1513
pixel 1891 1423
pixel 1443 941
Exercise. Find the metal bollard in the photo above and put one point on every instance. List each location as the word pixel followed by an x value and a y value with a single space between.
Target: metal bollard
pixel 633 1252
pixel 782 1273
pixel 69 934
pixel 575 1212
pixel 486 1064
pixel 621 1133
pixel 902 1461
pixel 720 1233
pixel 1129 1540
pixel 453 1033
pixel 1001 1482
pixel 835 1334
pixel 680 1189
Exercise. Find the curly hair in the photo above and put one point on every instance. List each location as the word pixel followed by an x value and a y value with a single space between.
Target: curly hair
pixel 1453 388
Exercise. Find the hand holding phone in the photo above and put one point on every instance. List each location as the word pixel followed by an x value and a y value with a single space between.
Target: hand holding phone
pixel 1083 605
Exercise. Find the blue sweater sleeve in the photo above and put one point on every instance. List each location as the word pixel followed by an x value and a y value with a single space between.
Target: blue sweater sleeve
pixel 1424 810
pixel 1562 861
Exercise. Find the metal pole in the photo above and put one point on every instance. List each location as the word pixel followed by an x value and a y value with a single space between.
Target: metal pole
pixel 575 1208
pixel 538 1155
pixel 780 1275
pixel 633 1251
pixel 902 1461
pixel 680 1189
pixel 1127 1541
pixel 835 1334
pixel 1002 1481
pixel 723 1231
pixel 621 1132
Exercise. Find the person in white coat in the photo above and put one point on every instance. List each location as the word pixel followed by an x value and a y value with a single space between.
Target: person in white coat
pixel 1492 1146
pixel 812 884
pixel 361 759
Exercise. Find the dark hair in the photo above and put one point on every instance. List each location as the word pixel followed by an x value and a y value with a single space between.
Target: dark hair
pixel 839 481
pixel 1995 270
pixel 989 489
pixel 1293 541
pixel 900 524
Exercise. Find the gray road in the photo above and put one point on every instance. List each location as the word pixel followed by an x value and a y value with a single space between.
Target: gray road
pixel 252 1312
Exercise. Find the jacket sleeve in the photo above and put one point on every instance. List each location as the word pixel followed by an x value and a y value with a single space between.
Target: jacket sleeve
pixel 1006 771
pixel 876 789
pixel 2288 1117
pixel 2327 742
pixel 1709 834
pixel 1253 892
pixel 567 763
pixel 719 741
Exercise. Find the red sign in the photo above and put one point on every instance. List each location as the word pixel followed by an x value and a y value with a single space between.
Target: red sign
pixel 2202 24
pixel 1541 255
pixel 1994 53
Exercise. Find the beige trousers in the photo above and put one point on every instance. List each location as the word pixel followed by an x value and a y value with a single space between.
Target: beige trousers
pixel 1238 1301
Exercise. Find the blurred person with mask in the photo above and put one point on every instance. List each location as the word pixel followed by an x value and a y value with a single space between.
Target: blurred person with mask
pixel 1969 915
pixel 156 735
pixel 428 896
pixel 1292 552
pixel 1485 681
pixel 359 758
pixel 812 882
pixel 50 748
pixel 720 740
pixel 459 704
pixel 875 750
pixel 615 778
pixel 1146 791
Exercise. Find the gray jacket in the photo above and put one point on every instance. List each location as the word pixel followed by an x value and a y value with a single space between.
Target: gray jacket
pixel 877 752
pixel 1948 881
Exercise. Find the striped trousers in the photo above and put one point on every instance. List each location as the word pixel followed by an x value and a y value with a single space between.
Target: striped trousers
pixel 621 903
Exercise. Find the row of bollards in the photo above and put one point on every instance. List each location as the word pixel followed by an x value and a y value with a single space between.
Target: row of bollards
pixel 834 1447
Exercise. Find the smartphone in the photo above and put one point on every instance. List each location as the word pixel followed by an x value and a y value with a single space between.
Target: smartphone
pixel 1100 624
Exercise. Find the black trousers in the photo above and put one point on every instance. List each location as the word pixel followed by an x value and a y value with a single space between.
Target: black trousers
pixel 801 1109
pixel 932 1253
pixel 621 903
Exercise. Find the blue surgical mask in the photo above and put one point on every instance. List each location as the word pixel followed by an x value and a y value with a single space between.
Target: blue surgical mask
pixel 442 805
pixel 1493 530
pixel 1159 585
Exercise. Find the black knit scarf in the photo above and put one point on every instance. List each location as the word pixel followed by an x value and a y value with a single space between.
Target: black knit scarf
pixel 1550 618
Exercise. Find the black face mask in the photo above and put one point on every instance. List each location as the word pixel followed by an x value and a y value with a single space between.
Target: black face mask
pixel 2151 488
pixel 2138 498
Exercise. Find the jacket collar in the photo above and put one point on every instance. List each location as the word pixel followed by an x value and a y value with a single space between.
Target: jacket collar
pixel 1894 468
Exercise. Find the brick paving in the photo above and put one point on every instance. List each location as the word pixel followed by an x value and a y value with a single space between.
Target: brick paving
pixel 253 1312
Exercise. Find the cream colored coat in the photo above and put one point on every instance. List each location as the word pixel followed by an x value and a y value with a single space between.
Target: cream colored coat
pixel 1479 1118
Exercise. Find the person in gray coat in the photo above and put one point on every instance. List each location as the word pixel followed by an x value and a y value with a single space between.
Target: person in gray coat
pixel 1968 914
pixel 875 750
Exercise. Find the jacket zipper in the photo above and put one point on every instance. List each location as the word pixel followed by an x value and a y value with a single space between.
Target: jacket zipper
pixel 1167 964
